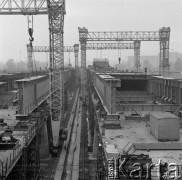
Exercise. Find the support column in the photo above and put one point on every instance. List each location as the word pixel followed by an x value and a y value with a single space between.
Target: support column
pixel 113 100
pixel 95 144
pixel 44 144
pixel 83 41
pixel 164 35
pixel 76 50
pixel 137 55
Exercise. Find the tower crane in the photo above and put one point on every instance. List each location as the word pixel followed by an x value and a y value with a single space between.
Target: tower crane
pixel 55 9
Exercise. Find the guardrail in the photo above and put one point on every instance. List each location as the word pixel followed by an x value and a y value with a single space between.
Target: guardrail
pixel 7 165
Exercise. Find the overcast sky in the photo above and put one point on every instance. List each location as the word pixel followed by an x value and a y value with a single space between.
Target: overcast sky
pixel 96 15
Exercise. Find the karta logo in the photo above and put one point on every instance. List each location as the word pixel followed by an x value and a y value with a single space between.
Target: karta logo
pixel 138 168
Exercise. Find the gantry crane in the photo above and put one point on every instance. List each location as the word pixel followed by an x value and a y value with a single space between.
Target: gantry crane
pixel 56 11
pixel 163 36
pixel 68 49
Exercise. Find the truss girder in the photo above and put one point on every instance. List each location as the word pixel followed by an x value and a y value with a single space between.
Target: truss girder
pixel 56 11
pixel 101 46
pixel 137 55
pixel 74 49
pixel 25 7
pixel 124 36
pixel 47 49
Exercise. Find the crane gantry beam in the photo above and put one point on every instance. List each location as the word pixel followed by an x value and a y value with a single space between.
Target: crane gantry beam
pixel 47 49
pixel 121 35
pixel 74 49
pixel 163 36
pixel 102 46
pixel 25 7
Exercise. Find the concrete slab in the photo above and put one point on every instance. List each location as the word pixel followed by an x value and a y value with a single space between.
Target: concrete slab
pixel 133 132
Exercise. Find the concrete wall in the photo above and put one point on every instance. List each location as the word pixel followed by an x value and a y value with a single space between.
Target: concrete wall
pixel 146 107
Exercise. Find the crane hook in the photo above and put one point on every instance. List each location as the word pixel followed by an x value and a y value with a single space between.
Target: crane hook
pixel 30 30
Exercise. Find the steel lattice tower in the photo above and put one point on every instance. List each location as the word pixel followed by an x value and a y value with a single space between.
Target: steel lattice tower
pixel 56 11
pixel 83 41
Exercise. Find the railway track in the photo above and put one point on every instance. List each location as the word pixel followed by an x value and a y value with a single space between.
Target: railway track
pixel 52 170
pixel 66 161
pixel 71 148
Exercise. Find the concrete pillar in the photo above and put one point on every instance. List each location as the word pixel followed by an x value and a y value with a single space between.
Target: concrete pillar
pixel 159 89
pixel 113 100
pixel 44 144
pixel 177 95
pixel 95 144
pixel 122 119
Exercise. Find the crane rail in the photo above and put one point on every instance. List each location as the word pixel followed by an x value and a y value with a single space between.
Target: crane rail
pixel 67 150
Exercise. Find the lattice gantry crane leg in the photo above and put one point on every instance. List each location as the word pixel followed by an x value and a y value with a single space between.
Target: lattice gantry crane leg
pixel 83 42
pixel 164 35
pixel 76 50
pixel 137 55
pixel 56 11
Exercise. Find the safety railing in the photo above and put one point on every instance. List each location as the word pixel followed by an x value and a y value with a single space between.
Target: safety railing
pixel 7 165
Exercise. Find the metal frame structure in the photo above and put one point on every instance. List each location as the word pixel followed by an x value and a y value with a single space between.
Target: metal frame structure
pixel 137 55
pixel 56 12
pixel 163 36
pixel 101 46
pixel 74 49
pixel 28 7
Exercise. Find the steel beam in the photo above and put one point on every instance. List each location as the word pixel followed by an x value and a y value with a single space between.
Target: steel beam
pixel 74 49
pixel 47 49
pixel 25 7
pixel 124 36
pixel 102 46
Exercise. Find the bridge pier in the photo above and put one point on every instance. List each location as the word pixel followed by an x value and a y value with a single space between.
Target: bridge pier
pixel 44 143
